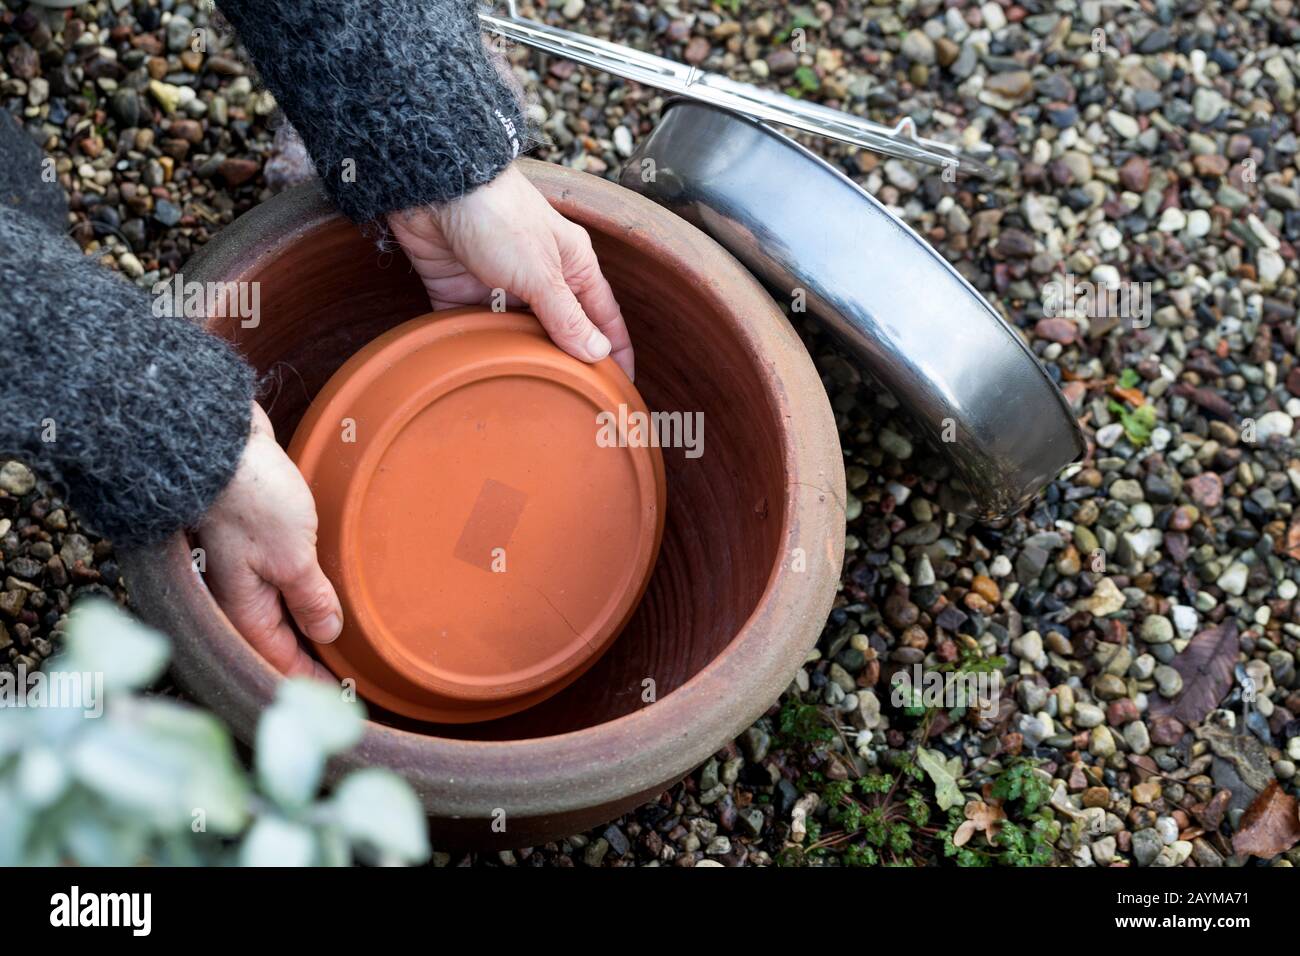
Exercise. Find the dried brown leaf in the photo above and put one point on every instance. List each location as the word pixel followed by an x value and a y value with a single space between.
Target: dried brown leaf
pixel 1271 824
pixel 1206 666
pixel 980 816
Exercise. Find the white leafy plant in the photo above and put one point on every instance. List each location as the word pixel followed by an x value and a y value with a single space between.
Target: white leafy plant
pixel 154 780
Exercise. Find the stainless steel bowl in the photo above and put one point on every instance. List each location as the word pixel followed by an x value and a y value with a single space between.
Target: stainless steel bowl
pixel 969 381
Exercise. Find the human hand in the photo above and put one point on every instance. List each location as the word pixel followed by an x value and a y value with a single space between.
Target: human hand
pixel 505 235
pixel 259 537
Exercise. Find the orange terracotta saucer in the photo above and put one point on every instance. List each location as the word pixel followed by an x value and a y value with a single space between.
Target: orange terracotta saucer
pixel 487 548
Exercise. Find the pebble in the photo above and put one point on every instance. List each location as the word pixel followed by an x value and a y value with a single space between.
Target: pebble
pixel 1172 220
pixel 16 478
pixel 1106 599
pixel 1147 845
pixel 1101 742
pixel 623 140
pixel 1137 737
pixel 1123 124
pixel 1157 630
pixel 1168 681
pixel 1273 424
pixel 1087 715
pixel 1234 579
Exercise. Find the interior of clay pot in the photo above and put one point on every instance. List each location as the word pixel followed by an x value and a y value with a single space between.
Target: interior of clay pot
pixel 328 294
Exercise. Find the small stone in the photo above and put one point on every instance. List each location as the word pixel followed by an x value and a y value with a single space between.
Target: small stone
pixel 782 61
pixel 1204 854
pixel 1035 729
pixel 594 855
pixel 1270 266
pixel 623 141
pixel 1146 846
pixel 1013 85
pixel 1172 220
pixel 697 51
pixel 38 91
pixel 1105 599
pixel 945 50
pixel 1108 436
pixel 167 95
pixel 76 548
pixel 1096 797
pixel 1206 490
pixel 751 821
pixel 994 17
pixel 130 265
pixel 1157 630
pixel 755 742
pixel 1207 104
pixel 167 213
pixel 894 444
pixel 1127 491
pixel 1029 647
pixel 1233 580
pixel 1137 737
pixel 238 171
pixel 1123 124
pixel 987 588
pixel 1272 424
pixel 1166 731
pixel 124 106
pixel 1087 716
pixel 16 478
pixel 900 175
pixel 1146 793
pixel 1101 742
pixel 1211 164
pixel 1168 681
pixel 918 47
pixel 923 572
pixel 1103 850
pixel 1135 174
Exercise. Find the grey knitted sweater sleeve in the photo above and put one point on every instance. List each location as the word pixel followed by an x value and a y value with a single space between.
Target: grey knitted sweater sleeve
pixel 396 100
pixel 142 417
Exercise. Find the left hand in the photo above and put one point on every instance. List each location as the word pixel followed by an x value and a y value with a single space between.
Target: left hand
pixel 505 235
pixel 260 540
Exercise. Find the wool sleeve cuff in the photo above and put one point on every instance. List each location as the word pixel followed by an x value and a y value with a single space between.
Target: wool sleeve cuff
pixel 142 417
pixel 397 101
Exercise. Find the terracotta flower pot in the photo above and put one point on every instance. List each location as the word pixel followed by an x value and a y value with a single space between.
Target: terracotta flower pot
pixel 752 544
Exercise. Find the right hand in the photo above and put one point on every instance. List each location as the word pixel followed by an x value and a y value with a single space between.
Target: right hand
pixel 505 235
pixel 260 542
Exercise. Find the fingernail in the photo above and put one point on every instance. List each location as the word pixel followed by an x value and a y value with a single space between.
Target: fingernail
pixel 596 346
pixel 327 632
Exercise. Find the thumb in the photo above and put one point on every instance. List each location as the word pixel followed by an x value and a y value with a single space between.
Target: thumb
pixel 558 310
pixel 311 600
pixel 253 606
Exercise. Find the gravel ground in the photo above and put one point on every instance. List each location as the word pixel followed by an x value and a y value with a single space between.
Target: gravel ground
pixel 1130 612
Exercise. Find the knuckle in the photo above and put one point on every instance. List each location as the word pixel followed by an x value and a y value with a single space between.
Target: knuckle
pixel 581 240
pixel 314 601
pixel 570 324
pixel 300 568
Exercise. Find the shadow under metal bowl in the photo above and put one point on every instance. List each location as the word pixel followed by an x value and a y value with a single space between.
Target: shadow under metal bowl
pixel 965 376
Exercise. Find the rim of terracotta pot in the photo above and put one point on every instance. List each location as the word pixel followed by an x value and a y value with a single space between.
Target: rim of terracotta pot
pixel 616 764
